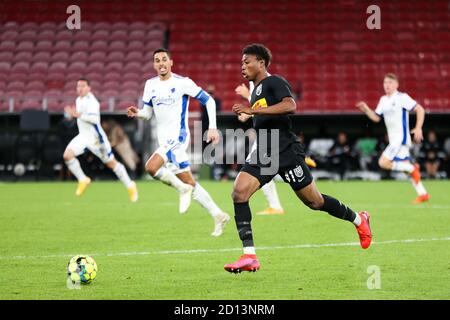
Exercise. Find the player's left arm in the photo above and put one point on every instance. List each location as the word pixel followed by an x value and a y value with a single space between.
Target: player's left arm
pixel 281 90
pixel 420 118
pixel 286 106
pixel 90 114
pixel 210 104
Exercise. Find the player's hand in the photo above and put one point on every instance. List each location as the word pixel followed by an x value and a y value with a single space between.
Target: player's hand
pixel 240 108
pixel 243 117
pixel 71 111
pixel 362 106
pixel 213 136
pixel 418 135
pixel 132 111
pixel 243 91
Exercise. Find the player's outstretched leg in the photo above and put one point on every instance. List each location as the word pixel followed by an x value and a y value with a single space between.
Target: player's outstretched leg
pixel 122 174
pixel 155 167
pixel 311 196
pixel 204 199
pixel 73 165
pixel 245 185
pixel 422 194
pixel 413 170
pixel 270 193
pixel 185 190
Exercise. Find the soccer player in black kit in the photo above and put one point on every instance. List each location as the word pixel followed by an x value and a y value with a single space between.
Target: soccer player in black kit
pixel 271 103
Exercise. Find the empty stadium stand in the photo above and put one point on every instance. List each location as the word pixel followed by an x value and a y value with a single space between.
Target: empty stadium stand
pixel 322 47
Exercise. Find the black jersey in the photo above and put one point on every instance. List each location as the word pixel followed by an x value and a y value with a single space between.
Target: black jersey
pixel 268 92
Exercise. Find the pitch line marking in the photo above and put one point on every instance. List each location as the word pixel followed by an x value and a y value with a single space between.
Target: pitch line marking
pixel 297 246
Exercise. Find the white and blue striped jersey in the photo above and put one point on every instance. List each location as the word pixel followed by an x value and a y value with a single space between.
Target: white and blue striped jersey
pixel 89 122
pixel 395 112
pixel 170 102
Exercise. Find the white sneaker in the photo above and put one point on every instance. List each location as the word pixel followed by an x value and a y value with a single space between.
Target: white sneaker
pixel 220 220
pixel 185 198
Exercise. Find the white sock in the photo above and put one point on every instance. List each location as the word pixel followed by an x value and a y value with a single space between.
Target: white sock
pixel 202 196
pixel 420 189
pixel 75 168
pixel 122 174
pixel 404 166
pixel 270 192
pixel 168 177
pixel 357 220
pixel 249 250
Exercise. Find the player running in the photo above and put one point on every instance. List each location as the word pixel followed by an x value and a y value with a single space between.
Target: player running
pixel 271 103
pixel 167 95
pixel 269 189
pixel 394 108
pixel 92 137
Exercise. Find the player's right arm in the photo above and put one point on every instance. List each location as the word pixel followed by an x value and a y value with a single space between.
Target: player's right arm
pixel 369 112
pixel 147 110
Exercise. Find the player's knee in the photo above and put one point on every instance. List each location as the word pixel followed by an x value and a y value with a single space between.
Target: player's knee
pixel 68 155
pixel 239 194
pixel 383 163
pixel 315 204
pixel 151 169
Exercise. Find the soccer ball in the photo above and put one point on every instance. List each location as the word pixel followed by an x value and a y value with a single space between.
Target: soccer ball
pixel 82 269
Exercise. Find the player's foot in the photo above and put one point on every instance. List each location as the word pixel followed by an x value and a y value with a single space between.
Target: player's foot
pixel 415 175
pixel 133 192
pixel 364 232
pixel 269 211
pixel 220 222
pixel 310 162
pixel 247 262
pixel 185 198
pixel 423 198
pixel 82 185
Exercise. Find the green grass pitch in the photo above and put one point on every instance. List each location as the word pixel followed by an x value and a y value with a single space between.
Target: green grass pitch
pixel 147 250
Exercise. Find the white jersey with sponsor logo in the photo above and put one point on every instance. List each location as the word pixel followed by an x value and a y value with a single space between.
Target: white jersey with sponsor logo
pixel 170 102
pixel 395 112
pixel 89 107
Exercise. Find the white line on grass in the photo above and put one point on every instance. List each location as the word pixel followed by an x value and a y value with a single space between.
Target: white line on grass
pixel 296 246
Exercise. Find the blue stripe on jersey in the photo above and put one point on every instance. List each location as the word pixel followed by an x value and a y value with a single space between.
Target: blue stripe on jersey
pixel 404 123
pixel 110 152
pixel 202 96
pixel 401 159
pixel 99 134
pixel 183 132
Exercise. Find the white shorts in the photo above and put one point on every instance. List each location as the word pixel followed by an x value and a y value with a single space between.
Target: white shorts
pixel 397 152
pixel 175 155
pixel 102 150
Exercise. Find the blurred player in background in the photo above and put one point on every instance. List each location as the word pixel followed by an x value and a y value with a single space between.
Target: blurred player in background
pixel 167 95
pixel 269 189
pixel 91 136
pixel 394 108
pixel 271 103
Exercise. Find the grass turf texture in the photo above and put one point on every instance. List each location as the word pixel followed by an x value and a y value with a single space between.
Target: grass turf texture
pixel 146 250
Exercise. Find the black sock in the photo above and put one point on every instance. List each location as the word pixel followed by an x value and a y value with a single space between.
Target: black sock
pixel 337 209
pixel 243 218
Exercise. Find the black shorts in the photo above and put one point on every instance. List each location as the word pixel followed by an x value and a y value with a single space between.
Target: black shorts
pixel 292 168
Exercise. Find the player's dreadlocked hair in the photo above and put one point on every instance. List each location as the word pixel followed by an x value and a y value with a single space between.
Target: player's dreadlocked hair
pixel 260 51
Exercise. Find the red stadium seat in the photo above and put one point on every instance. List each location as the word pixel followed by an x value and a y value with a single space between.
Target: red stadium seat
pixel 62 56
pixel 99 45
